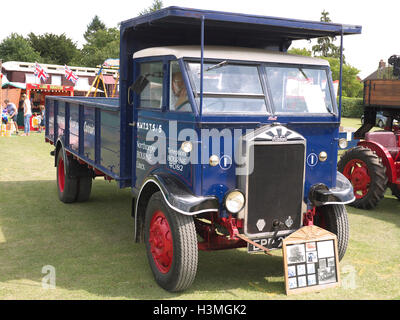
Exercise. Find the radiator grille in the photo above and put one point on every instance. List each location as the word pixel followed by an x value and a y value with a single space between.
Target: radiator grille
pixel 275 187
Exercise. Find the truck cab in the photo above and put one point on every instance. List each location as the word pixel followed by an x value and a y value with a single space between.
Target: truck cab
pixel 267 133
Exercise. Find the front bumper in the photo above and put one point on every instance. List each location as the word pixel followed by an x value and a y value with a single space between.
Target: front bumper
pixel 343 193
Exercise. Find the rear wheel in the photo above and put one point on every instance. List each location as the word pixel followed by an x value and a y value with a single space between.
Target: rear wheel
pixel 366 173
pixel 84 187
pixel 334 219
pixel 67 186
pixel 171 245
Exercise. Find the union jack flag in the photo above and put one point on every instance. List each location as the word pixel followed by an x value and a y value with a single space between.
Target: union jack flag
pixel 40 73
pixel 70 75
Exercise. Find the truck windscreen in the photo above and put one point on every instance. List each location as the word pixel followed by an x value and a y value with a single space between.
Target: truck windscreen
pixel 299 90
pixel 229 88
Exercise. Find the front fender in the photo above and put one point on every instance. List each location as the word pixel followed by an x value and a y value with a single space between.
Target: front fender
pixel 176 195
pixel 179 198
pixel 387 159
pixel 343 193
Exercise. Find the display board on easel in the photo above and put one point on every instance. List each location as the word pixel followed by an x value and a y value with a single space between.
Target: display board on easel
pixel 311 262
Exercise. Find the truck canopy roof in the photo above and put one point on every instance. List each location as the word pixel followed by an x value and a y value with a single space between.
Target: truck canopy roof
pixel 229 53
pixel 181 26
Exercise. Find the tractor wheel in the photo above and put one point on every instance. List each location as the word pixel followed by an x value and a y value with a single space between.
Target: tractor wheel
pixel 67 186
pixel 395 188
pixel 334 219
pixel 171 244
pixel 366 173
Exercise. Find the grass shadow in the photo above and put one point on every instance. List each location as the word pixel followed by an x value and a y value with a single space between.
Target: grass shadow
pixel 91 247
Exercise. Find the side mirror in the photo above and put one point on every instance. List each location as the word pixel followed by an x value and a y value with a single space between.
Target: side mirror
pixel 139 85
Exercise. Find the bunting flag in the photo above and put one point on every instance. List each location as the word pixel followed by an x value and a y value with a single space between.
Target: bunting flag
pixel 40 73
pixel 70 75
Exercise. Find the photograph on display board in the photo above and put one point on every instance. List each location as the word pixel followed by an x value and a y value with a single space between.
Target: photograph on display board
pixel 325 249
pixel 296 253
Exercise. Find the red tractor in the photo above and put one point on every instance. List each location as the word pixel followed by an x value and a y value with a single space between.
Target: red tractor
pixel 374 164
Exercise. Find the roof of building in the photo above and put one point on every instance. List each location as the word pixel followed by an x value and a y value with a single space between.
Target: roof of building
pixel 54 68
pixel 230 53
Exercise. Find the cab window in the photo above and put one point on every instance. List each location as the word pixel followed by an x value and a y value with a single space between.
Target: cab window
pixel 178 98
pixel 299 90
pixel 229 88
pixel 151 96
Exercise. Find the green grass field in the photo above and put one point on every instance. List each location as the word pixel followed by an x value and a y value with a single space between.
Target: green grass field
pixel 91 246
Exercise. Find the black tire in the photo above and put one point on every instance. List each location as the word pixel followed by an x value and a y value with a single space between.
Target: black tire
pixel 334 219
pixel 67 186
pixel 395 188
pixel 367 197
pixel 84 188
pixel 179 272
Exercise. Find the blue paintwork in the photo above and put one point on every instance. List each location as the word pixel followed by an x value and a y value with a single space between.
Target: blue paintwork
pixel 104 139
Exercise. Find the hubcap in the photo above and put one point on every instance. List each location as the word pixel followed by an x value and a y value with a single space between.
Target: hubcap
pixel 61 175
pixel 161 245
pixel 357 172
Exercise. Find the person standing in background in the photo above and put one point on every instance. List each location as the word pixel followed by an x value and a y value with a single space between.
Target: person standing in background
pixel 27 114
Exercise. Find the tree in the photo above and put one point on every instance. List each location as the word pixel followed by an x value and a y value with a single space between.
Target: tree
pixel 95 25
pixel 300 52
pixel 156 5
pixel 325 46
pixel 351 85
pixel 56 49
pixel 103 44
pixel 16 48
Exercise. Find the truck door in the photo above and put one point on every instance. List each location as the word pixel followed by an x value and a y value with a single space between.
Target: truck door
pixel 161 111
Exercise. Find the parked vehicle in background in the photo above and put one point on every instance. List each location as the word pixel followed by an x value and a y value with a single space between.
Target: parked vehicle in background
pixel 374 164
pixel 380 119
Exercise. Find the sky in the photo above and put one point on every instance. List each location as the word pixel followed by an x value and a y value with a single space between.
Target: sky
pixel 379 20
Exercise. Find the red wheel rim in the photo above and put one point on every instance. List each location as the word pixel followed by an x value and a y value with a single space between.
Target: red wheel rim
pixel 161 244
pixel 357 172
pixel 61 175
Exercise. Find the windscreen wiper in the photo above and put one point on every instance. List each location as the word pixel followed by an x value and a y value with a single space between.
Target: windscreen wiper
pixel 218 65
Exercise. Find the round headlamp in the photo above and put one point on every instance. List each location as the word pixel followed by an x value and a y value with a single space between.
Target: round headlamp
pixel 343 143
pixel 234 201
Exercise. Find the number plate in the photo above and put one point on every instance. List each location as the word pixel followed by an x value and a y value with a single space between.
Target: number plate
pixel 269 243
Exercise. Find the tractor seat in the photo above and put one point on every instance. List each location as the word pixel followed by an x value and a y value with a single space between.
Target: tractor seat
pixel 385 138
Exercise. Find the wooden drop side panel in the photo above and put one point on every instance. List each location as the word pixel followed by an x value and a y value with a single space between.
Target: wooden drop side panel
pixel 382 93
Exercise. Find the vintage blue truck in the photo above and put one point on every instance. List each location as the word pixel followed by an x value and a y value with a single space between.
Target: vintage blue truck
pixel 225 139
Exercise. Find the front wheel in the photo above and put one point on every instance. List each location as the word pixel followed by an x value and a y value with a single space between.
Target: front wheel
pixel 171 244
pixel 334 219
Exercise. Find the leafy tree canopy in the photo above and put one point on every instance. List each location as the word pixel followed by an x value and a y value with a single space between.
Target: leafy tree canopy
pixel 56 49
pixel 156 5
pixel 16 48
pixel 325 46
pixel 103 44
pixel 95 25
